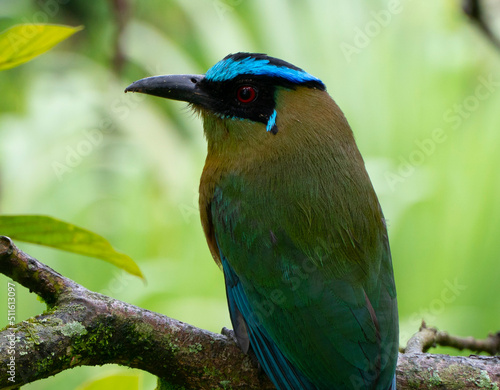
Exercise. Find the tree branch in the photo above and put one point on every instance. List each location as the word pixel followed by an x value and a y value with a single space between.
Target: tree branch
pixel 82 327
pixel 430 371
pixel 426 338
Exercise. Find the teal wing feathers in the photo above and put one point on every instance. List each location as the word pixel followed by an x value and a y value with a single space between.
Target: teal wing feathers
pixel 304 314
pixel 279 369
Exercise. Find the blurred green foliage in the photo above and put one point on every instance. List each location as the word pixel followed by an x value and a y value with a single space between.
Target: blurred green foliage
pixel 419 85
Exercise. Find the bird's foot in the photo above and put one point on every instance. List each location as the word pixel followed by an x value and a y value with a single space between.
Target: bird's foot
pixel 229 333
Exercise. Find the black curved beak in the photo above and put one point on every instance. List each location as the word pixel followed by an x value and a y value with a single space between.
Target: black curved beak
pixel 183 87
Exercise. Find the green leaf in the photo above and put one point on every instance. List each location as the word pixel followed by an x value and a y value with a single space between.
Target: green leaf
pixel 23 42
pixel 48 231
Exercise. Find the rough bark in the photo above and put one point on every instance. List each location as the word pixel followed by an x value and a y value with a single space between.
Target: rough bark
pixel 81 327
pixel 429 371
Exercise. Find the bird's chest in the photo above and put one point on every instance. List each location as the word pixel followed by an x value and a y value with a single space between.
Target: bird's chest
pixel 252 218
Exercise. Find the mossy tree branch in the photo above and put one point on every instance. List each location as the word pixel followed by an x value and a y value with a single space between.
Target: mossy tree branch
pixel 82 327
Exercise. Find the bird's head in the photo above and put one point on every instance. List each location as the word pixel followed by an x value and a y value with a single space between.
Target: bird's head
pixel 244 96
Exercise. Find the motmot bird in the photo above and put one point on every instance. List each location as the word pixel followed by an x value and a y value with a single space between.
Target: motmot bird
pixel 291 216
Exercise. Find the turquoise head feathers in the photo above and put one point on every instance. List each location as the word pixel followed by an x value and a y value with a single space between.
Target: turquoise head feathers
pixel 239 64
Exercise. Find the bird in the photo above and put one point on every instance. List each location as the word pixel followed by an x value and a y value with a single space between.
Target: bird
pixel 291 217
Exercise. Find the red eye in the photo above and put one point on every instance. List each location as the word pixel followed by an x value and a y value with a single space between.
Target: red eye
pixel 246 94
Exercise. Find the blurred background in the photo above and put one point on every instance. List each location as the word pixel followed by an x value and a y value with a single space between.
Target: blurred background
pixel 419 84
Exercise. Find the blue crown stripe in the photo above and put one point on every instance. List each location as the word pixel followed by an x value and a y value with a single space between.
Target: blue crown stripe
pixel 228 69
